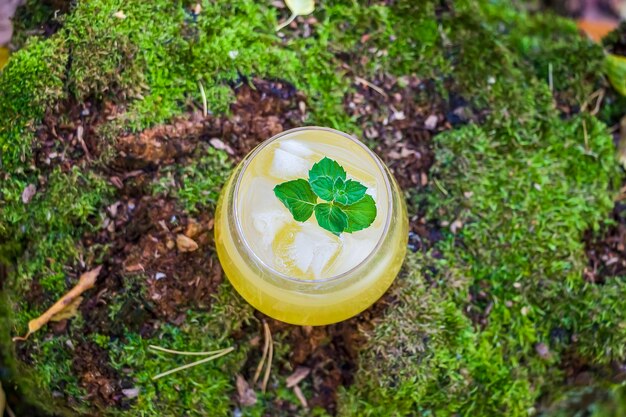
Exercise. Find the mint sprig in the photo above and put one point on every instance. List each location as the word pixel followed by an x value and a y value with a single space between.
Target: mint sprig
pixel 347 207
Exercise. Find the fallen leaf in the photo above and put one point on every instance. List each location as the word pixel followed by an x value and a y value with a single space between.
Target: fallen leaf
pixel 186 244
pixel 69 311
pixel 28 193
pixel 543 351
pixel 298 8
pixel 221 146
pixel 119 14
pixel 85 282
pixel 131 392
pixel 193 229
pixel 615 68
pixel 134 268
pixel 431 122
pixel 247 396
pixel 300 373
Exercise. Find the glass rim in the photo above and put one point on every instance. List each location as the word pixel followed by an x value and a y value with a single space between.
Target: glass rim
pixel 239 228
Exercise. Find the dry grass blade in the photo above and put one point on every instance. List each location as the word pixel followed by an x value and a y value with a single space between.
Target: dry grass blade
pixel 179 352
pixel 196 363
pixel 85 282
pixel 205 109
pixel 266 348
pixel 268 368
pixel 370 85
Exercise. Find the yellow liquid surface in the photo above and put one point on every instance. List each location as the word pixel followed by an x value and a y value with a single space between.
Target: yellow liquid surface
pixel 298 272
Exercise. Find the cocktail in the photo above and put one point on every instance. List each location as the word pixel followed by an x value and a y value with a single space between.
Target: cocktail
pixel 311 227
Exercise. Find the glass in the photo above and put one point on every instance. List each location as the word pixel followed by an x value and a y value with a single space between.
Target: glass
pixel 297 272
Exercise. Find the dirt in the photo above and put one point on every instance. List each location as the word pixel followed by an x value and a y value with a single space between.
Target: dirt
pixel 607 251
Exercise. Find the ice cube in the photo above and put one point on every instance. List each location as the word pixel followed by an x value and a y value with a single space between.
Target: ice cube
pixel 288 166
pixel 268 223
pixel 296 148
pixel 313 249
pixel 354 251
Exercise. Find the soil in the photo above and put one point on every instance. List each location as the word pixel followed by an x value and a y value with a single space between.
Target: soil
pixel 607 251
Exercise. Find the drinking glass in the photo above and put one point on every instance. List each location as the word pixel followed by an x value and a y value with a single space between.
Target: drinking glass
pixel 297 272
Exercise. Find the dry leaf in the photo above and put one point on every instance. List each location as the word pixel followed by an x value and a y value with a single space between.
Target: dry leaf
pixel 69 311
pixel 86 281
pixel 247 396
pixel 28 193
pixel 300 373
pixel 186 244
pixel 615 68
pixel 298 8
pixel 120 15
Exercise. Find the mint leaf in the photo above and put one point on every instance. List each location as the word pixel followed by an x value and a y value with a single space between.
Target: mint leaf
pixel 298 197
pixel 360 214
pixel 339 191
pixel 327 168
pixel 331 218
pixel 323 187
pixel 354 191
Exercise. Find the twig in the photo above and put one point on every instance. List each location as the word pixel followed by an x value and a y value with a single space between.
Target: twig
pixel 370 85
pixel 205 110
pixel 85 282
pixel 268 368
pixel 9 411
pixel 597 95
pixel 266 348
pixel 191 365
pixel 585 136
pixel 596 109
pixel 178 352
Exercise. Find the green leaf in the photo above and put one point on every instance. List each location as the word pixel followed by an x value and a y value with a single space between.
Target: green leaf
pixel 298 197
pixel 355 191
pixel 331 218
pixel 323 187
pixel 327 168
pixel 360 214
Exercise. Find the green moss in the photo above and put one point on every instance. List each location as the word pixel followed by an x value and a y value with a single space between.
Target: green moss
pixel 197 185
pixel 40 69
pixel 200 391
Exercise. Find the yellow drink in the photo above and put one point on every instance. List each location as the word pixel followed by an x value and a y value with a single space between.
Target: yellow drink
pixel 298 272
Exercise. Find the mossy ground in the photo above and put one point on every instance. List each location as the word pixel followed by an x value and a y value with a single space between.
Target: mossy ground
pixel 487 322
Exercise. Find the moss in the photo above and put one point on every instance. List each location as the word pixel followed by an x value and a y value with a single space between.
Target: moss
pixel 40 69
pixel 197 185
pixel 202 390
pixel 524 201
